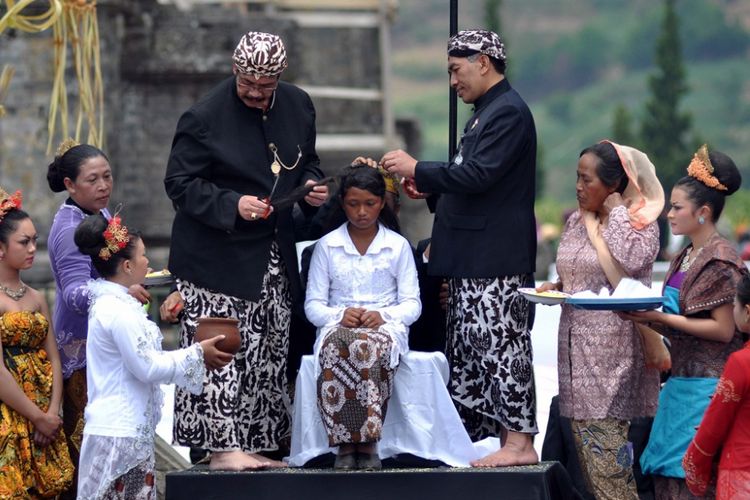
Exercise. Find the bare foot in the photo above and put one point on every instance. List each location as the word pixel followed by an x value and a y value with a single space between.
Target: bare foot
pixel 273 464
pixel 508 455
pixel 239 460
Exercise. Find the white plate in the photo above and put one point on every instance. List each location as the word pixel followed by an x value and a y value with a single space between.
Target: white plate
pixel 548 298
pixel 159 278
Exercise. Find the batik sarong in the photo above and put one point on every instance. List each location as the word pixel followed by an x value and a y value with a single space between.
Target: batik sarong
pixel 138 483
pixel 245 405
pixel 489 351
pixel 354 384
pixel 606 457
pixel 73 404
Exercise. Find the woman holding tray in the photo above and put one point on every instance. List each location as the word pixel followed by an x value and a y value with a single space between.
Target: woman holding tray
pixel 603 378
pixel 697 316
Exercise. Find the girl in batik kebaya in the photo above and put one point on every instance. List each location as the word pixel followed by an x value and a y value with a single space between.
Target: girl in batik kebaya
pixel 700 287
pixel 34 460
pixel 362 295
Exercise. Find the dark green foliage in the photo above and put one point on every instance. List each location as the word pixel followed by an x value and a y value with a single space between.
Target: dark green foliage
pixel 665 128
pixel 622 127
pixel 492 15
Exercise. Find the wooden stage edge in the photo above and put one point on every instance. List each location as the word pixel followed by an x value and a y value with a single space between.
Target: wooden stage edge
pixel 548 480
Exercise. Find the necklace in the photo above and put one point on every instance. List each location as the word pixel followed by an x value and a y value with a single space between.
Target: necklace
pixel 14 294
pixel 687 261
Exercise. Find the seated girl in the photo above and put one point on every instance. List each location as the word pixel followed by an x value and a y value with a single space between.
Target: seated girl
pixel 125 365
pixel 34 459
pixel 362 294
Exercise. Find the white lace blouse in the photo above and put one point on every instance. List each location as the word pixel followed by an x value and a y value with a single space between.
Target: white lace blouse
pixel 384 279
pixel 125 366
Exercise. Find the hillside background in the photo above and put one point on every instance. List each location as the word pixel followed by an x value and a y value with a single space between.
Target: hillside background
pixel 576 61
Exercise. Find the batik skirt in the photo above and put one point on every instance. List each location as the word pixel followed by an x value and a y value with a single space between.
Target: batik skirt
pixel 354 384
pixel 137 484
pixel 245 405
pixel 489 351
pixel 606 457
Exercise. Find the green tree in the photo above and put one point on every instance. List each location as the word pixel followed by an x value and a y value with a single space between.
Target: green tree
pixel 664 128
pixel 622 126
pixel 492 15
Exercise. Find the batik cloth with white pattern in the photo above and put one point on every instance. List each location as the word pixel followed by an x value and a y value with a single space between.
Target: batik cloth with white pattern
pixel 489 351
pixel 245 405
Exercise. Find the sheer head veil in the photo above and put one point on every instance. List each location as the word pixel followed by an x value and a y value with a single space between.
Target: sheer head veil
pixel 644 195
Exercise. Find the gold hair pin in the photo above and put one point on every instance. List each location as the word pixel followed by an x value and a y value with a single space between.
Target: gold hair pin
pixel 65 146
pixel 700 168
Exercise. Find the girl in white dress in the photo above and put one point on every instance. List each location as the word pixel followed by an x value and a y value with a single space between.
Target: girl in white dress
pixel 362 294
pixel 126 365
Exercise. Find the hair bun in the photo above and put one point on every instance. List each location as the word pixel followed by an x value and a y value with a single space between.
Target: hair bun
pixel 726 171
pixel 89 235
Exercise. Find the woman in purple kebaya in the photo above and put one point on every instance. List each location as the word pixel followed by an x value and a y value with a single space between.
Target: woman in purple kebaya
pixel 84 172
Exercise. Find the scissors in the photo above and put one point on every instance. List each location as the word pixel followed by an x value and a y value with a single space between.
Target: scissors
pixel 276 169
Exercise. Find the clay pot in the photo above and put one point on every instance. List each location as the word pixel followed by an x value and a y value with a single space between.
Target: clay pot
pixel 211 327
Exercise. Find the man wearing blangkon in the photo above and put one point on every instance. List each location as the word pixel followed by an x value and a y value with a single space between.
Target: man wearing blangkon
pixel 484 241
pixel 233 253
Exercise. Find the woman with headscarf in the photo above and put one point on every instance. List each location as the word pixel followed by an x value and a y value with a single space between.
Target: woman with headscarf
pixel 700 287
pixel 603 378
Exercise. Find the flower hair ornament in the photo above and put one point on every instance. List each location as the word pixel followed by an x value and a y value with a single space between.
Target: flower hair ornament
pixel 9 202
pixel 391 182
pixel 116 238
pixel 700 168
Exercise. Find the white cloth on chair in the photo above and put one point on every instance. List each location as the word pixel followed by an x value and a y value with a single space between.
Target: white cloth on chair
pixel 421 419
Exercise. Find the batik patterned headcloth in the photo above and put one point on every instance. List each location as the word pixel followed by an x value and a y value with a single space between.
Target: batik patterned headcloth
pixel 482 41
pixel 9 202
pixel 260 54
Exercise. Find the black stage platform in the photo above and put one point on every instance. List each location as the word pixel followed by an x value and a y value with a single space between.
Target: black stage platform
pixel 548 480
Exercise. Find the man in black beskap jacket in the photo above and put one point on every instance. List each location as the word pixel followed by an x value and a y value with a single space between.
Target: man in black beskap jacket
pixel 233 254
pixel 484 242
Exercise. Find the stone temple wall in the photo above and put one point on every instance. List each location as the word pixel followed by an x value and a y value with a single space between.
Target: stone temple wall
pixel 156 61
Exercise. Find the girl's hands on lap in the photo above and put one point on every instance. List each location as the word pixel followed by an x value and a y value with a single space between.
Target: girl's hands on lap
pixel 41 440
pixel 46 427
pixel 352 317
pixel 372 319
pixel 213 357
